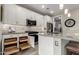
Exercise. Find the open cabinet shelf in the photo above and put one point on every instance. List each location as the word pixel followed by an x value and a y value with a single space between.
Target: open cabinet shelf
pixel 12 51
pixel 23 39
pixel 10 41
pixel 24 43
pixel 10 46
pixel 24 46
pixel 15 44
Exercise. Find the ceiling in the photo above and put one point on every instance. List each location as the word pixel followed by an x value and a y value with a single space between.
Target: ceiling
pixel 49 7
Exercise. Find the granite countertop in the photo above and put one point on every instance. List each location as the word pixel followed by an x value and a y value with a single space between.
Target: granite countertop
pixel 73 38
pixel 14 33
pixel 45 34
pixel 50 35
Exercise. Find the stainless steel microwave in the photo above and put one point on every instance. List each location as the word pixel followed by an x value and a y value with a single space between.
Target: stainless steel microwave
pixel 30 22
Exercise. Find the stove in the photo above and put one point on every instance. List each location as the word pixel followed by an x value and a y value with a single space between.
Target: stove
pixel 34 34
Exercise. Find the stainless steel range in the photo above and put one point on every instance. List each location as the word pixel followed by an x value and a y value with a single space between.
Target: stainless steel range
pixel 35 35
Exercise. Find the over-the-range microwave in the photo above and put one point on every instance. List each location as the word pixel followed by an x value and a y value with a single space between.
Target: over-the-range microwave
pixel 30 22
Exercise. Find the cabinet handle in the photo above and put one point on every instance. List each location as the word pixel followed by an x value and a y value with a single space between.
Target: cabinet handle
pixel 56 43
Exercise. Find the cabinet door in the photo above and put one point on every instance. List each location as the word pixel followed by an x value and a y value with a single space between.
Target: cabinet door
pixel 0 12
pixel 57 46
pixel 30 15
pixel 0 44
pixel 9 14
pixel 31 41
pixel 45 45
pixel 39 19
pixel 45 22
pixel 22 15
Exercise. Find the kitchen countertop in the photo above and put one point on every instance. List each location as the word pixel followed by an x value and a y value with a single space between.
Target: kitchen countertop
pixel 50 35
pixel 70 38
pixel 45 34
pixel 75 38
pixel 14 33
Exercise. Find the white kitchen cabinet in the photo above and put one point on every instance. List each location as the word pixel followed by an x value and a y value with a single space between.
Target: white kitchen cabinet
pixel 40 20
pixel 57 46
pixel 9 14
pixel 32 16
pixel 0 12
pixel 22 15
pixel 14 14
pixel 46 20
pixel 31 41
pixel 37 17
pixel 17 15
pixel 46 45
pixel 0 44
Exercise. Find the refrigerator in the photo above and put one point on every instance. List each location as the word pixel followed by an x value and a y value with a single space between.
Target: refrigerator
pixel 57 28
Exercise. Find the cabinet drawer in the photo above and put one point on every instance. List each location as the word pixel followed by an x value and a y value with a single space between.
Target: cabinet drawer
pixel 10 36
pixel 26 34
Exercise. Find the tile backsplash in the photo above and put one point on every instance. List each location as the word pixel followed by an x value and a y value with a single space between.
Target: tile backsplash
pixel 5 28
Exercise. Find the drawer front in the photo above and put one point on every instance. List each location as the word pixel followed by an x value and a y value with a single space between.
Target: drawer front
pixel 10 36
pixel 26 34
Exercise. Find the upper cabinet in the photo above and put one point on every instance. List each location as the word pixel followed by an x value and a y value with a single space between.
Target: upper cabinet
pixel 9 14
pixel 22 15
pixel 39 19
pixel 17 15
pixel 46 20
pixel 13 14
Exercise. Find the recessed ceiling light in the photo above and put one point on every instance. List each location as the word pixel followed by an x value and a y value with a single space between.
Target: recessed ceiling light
pixel 51 12
pixel 65 11
pixel 69 14
pixel 43 6
pixel 61 6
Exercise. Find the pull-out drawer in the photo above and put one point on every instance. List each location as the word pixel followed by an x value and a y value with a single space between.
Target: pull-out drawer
pixel 10 36
pixel 26 34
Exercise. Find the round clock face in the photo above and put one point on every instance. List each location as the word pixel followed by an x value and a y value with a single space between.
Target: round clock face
pixel 69 22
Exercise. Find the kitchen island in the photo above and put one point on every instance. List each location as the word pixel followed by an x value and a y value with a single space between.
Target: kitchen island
pixel 50 44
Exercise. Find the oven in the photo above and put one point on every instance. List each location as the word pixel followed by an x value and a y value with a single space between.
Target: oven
pixel 35 35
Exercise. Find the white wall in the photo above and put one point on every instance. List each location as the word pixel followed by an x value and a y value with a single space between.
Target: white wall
pixel 72 30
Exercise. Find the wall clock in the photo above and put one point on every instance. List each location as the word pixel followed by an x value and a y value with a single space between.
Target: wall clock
pixel 69 22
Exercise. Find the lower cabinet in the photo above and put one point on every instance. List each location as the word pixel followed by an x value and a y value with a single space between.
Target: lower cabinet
pixel 49 45
pixel 57 46
pixel 45 45
pixel 15 43
pixel 0 44
pixel 31 41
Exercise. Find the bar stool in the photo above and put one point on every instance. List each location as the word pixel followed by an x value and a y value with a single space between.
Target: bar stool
pixel 72 48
